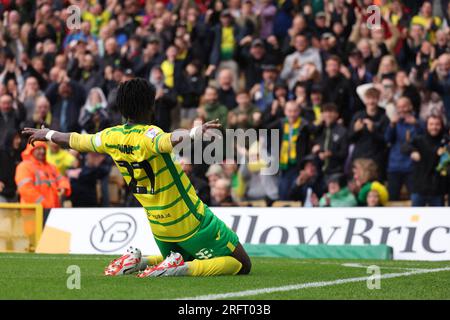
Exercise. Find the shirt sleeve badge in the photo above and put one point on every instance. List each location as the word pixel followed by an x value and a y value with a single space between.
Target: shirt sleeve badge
pixel 151 133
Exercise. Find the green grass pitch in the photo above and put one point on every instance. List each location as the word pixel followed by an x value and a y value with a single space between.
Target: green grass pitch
pixel 33 276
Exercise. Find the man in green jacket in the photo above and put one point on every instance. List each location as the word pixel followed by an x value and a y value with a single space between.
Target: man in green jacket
pixel 212 108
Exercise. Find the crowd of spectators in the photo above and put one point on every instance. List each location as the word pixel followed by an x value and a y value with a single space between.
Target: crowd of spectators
pixel 362 108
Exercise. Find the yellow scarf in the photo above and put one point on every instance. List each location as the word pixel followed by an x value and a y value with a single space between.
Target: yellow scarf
pixel 168 68
pixel 228 43
pixel 317 114
pixel 288 153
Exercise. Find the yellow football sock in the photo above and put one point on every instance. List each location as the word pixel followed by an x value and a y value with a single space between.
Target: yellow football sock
pixel 154 260
pixel 214 267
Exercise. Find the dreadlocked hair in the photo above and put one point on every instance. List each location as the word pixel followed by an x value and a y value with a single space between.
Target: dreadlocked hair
pixel 135 99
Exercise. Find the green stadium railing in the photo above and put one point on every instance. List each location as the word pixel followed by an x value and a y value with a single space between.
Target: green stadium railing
pixel 321 251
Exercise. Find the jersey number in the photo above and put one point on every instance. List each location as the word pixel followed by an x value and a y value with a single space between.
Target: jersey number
pixel 144 165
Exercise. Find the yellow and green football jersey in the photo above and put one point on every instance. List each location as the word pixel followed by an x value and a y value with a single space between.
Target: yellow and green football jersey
pixel 143 154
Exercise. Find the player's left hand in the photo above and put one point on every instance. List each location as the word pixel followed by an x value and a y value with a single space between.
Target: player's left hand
pixel 210 128
pixel 35 134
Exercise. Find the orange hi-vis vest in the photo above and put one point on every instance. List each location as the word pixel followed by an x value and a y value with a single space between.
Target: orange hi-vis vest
pixel 38 182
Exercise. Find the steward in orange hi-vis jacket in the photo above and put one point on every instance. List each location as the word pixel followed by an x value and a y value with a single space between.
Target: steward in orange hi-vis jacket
pixel 38 181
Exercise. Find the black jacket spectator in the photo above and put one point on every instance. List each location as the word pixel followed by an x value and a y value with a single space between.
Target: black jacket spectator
pixel 9 159
pixel 333 139
pixel 300 192
pixel 38 34
pixel 338 91
pixel 201 188
pixel 201 40
pixel 370 144
pixel 114 115
pixel 151 57
pixel 227 98
pixel 10 117
pixel 29 71
pixel 426 179
pixel 252 59
pixel 191 88
pixel 144 66
pixel 309 178
pixel 84 184
pixel 274 112
pixel 114 60
pixel 88 76
pixel 163 108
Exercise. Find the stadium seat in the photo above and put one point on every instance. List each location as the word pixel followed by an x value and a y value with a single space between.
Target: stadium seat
pixel 253 203
pixel 405 203
pixel 287 204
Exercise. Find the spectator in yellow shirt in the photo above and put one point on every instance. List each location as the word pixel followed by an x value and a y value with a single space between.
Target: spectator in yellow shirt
pixel 97 16
pixel 60 158
pixel 429 22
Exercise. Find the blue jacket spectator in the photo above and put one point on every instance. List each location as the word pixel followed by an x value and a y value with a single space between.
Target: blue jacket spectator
pixel 402 129
pixel 66 100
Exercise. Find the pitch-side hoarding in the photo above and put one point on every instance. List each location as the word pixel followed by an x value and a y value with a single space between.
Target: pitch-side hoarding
pixel 414 233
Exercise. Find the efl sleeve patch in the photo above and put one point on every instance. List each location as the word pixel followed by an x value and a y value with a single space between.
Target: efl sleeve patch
pixel 151 133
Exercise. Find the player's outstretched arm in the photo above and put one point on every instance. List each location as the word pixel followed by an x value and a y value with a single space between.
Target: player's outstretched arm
pixel 73 140
pixel 83 142
pixel 60 138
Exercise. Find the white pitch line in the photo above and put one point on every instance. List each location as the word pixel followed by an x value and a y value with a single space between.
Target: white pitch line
pixel 300 286
pixel 381 264
pixel 359 265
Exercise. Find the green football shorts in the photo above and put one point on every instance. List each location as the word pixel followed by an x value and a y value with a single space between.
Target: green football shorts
pixel 213 239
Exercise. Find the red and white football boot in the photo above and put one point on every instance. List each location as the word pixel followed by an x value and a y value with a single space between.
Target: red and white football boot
pixel 126 264
pixel 173 265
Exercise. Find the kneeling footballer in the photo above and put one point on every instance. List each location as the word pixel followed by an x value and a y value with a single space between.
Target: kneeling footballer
pixel 192 240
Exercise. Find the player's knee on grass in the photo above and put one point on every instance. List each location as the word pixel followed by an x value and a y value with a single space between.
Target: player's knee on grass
pixel 241 255
pixel 246 266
